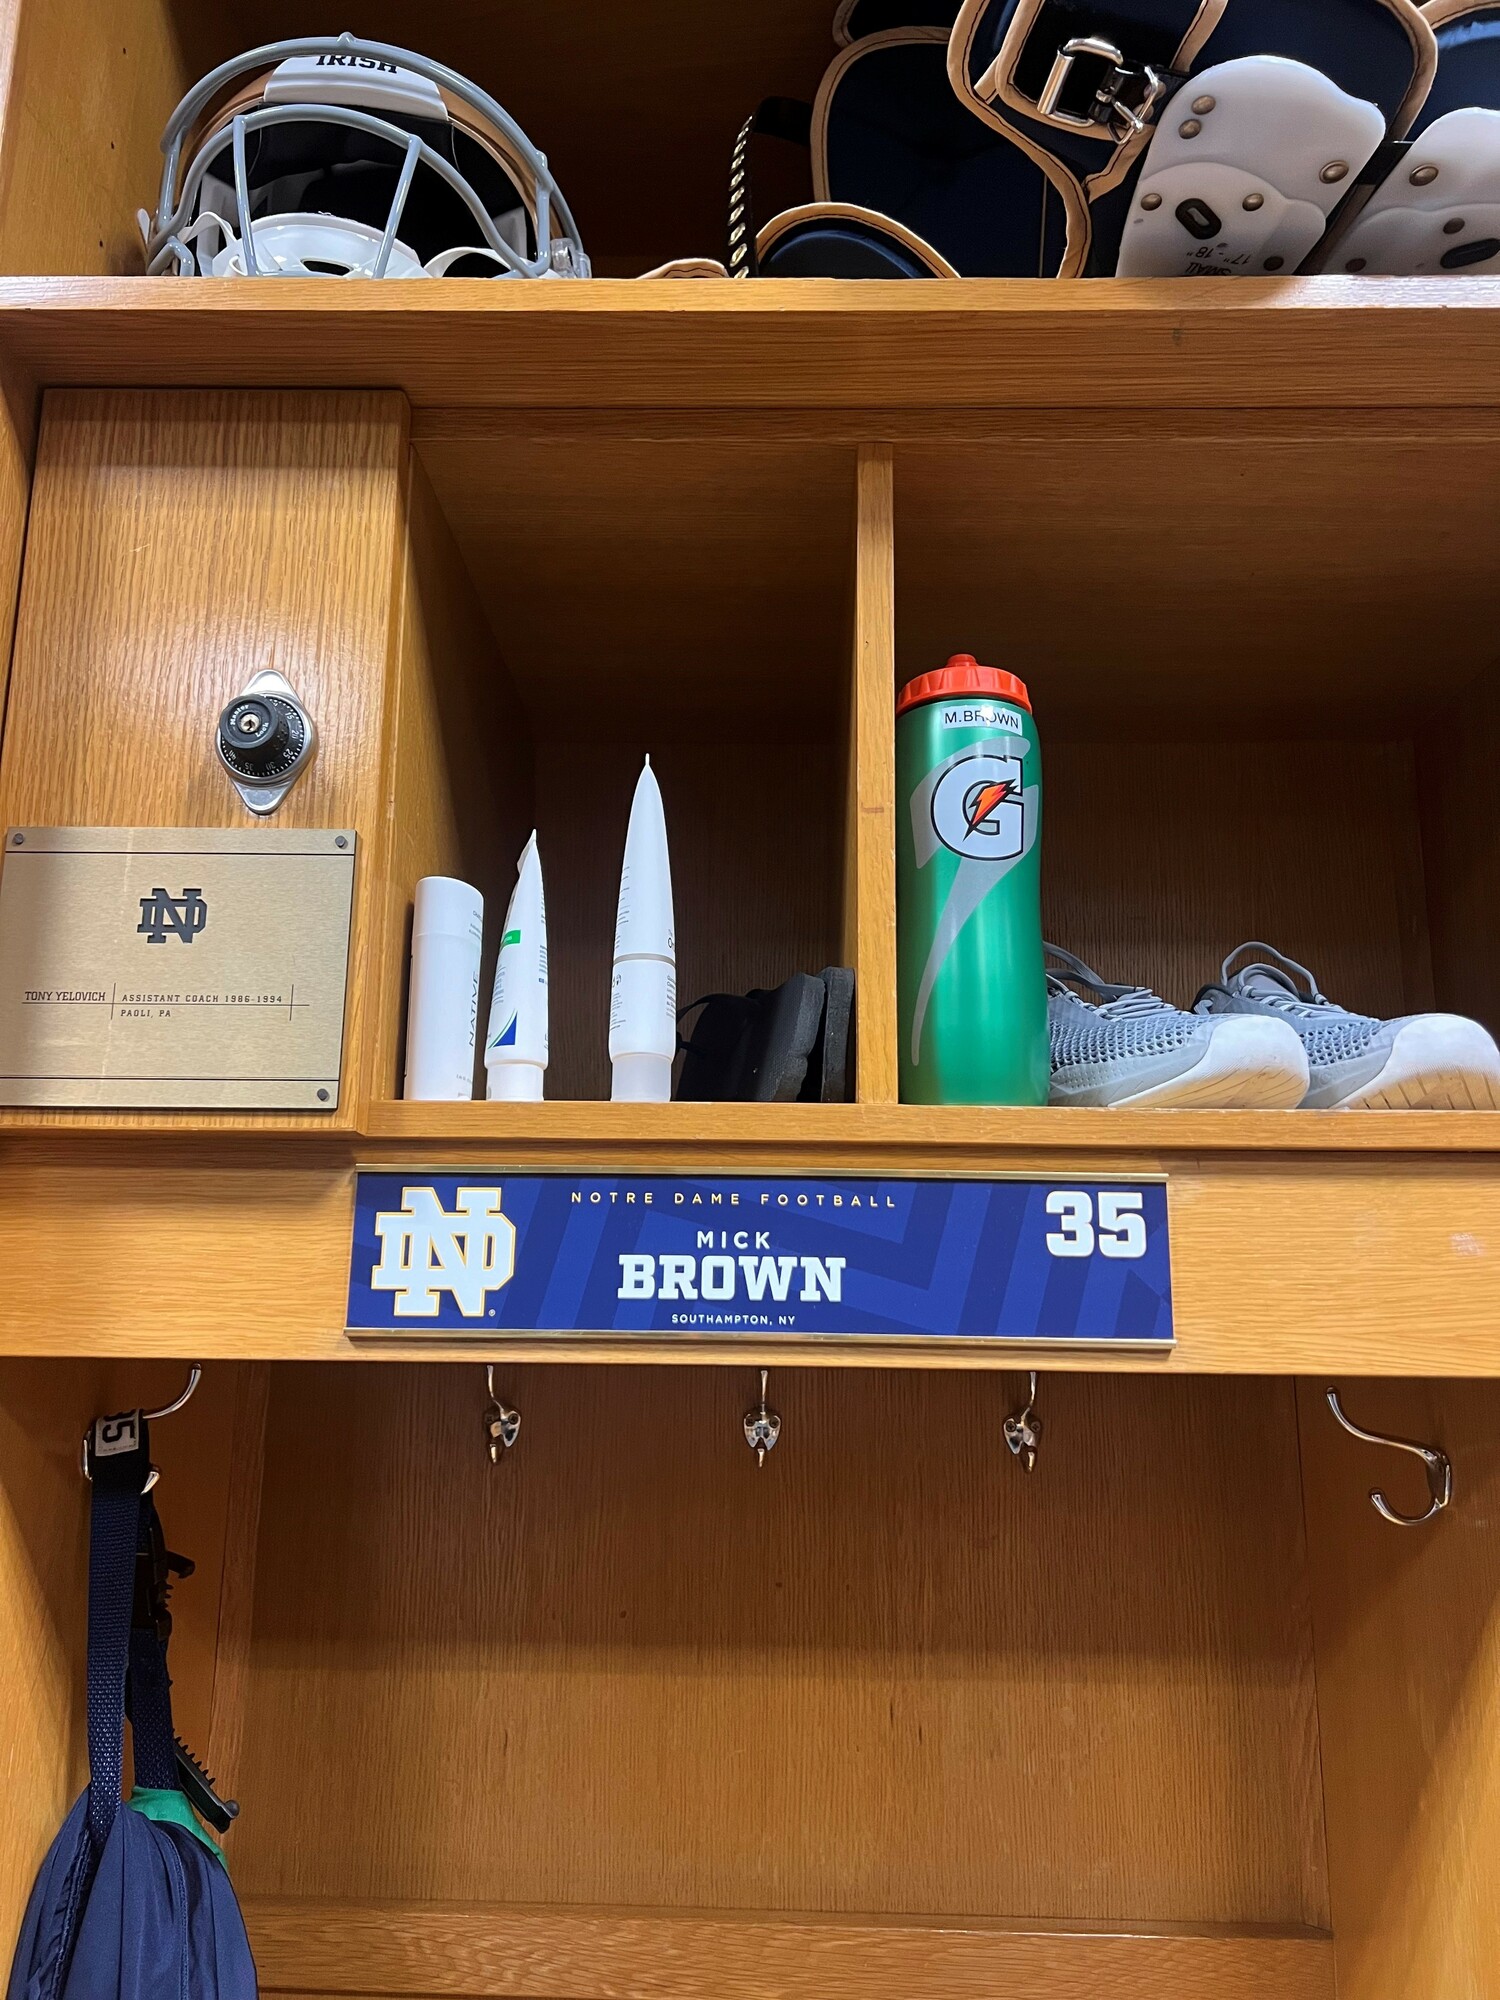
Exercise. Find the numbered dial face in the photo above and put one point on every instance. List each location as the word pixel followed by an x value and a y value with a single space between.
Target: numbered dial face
pixel 262 737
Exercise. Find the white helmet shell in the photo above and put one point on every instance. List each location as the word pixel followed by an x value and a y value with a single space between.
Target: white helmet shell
pixel 332 156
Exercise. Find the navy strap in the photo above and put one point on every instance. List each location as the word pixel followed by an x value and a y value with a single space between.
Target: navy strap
pixel 152 1740
pixel 115 1525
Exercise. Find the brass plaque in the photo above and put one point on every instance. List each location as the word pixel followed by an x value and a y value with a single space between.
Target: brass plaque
pixel 180 968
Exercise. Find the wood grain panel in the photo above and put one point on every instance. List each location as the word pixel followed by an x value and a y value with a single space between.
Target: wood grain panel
pixel 358 1950
pixel 1456 761
pixel 88 88
pixel 18 411
pixel 972 1138
pixel 869 832
pixel 886 1673
pixel 754 834
pixel 685 590
pixel 1407 1626
pixel 460 790
pixel 1159 858
pixel 44 1411
pixel 1324 343
pixel 177 544
pixel 1282 1262
pixel 241 1477
pixel 1265 572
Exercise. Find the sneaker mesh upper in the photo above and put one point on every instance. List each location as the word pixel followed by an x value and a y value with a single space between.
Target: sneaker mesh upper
pixel 1330 1033
pixel 1084 1034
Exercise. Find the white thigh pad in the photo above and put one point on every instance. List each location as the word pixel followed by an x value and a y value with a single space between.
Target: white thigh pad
pixel 1248 162
pixel 1438 211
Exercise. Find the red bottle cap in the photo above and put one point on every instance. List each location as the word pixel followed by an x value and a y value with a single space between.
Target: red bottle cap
pixel 963 675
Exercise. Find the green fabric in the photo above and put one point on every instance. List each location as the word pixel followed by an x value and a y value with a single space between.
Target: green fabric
pixel 174 1806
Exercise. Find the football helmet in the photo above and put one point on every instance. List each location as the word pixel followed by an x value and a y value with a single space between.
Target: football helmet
pixel 335 157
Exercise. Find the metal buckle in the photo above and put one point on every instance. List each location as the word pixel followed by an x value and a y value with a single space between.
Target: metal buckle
pixel 1143 83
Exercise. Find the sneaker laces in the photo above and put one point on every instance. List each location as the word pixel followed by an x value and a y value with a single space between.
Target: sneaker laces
pixel 1277 981
pixel 1115 1003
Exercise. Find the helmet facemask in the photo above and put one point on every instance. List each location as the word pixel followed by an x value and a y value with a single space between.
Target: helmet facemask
pixel 350 159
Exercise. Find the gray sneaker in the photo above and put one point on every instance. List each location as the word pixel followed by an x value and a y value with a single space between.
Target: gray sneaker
pixel 1427 1062
pixel 1126 1045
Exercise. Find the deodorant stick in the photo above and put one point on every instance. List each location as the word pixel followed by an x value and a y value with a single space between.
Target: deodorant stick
pixel 442 1012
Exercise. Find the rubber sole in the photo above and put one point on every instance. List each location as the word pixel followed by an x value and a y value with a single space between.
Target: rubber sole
pixel 1249 1063
pixel 1439 1062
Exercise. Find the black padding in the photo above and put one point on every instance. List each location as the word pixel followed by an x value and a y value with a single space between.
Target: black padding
pixel 830 1073
pixel 835 247
pixel 1468 73
pixel 899 141
pixel 782 1040
pixel 1360 44
pixel 715 1064
pixel 302 167
pixel 755 1047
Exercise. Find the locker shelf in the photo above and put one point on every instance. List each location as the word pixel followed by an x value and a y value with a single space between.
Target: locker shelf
pixel 1312 343
pixel 591 1954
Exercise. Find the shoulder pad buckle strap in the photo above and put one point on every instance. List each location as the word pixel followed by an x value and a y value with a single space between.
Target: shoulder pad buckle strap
pixel 1124 97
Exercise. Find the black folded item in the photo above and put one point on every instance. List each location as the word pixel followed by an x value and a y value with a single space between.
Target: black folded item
pixel 772 1046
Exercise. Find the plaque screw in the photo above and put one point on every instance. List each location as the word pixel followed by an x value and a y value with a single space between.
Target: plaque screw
pixel 322 1097
pixel 18 840
pixel 339 840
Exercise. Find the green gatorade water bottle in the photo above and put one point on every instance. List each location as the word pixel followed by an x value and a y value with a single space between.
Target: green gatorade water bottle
pixel 973 995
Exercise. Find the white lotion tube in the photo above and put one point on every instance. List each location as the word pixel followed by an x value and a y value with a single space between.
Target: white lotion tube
pixel 515 1047
pixel 643 987
pixel 442 1005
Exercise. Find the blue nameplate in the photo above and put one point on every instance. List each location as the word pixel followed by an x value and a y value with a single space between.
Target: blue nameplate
pixel 485 1252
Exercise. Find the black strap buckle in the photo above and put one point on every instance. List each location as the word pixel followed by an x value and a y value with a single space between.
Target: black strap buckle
pixel 1125 98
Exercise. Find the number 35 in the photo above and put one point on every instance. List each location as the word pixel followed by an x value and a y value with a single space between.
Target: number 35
pixel 1122 1227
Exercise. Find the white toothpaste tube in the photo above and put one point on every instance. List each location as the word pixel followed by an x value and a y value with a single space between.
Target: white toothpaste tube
pixel 515 1048
pixel 442 1008
pixel 643 987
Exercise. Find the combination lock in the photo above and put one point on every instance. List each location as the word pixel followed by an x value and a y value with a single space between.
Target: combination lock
pixel 266 741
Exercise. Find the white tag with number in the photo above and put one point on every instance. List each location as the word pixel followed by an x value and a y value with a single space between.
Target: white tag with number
pixel 1438 212
pixel 114 1436
pixel 1246 166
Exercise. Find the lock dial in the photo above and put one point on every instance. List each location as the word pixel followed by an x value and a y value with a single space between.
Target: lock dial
pixel 265 741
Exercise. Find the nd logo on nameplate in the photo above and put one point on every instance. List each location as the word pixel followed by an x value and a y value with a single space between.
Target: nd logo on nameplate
pixel 174 969
pixel 713 1258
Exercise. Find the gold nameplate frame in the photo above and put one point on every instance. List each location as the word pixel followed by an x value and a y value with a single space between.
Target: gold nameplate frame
pixel 183 968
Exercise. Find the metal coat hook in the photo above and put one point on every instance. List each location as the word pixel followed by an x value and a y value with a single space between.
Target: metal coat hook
pixel 195 1376
pixel 502 1425
pixel 1023 1430
pixel 762 1426
pixel 130 1419
pixel 1438 1464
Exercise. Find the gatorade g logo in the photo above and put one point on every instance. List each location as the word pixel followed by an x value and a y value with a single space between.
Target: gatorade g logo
pixel 978 806
pixel 979 809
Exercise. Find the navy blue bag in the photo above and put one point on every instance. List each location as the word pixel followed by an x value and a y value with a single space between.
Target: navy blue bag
pixel 133 1901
